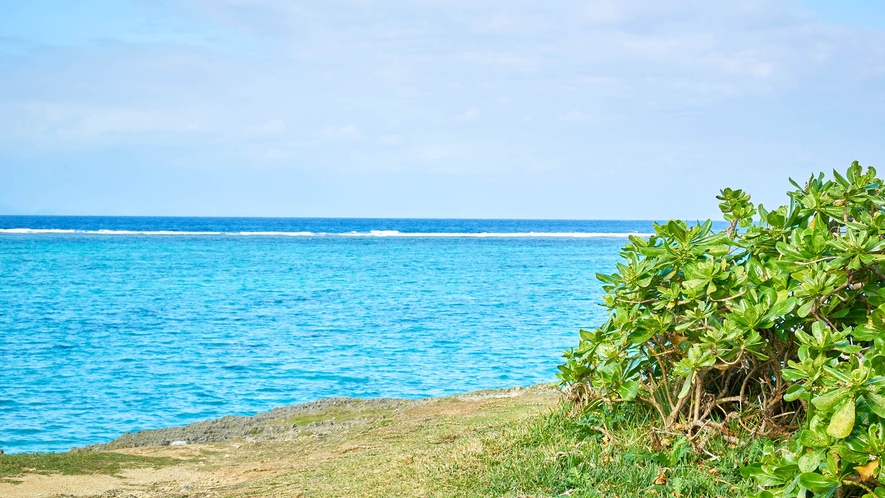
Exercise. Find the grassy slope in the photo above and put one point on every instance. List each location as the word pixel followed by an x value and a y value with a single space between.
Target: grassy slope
pixel 526 444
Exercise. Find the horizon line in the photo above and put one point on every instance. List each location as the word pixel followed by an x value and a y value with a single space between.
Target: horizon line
pixel 345 217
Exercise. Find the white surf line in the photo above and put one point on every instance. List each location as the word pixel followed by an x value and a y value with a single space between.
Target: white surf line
pixel 393 233
pixel 372 233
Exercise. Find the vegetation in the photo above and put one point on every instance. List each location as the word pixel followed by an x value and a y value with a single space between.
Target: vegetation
pixel 516 443
pixel 773 327
pixel 15 465
pixel 566 453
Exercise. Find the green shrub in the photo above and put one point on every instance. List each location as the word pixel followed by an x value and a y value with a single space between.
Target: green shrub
pixel 774 326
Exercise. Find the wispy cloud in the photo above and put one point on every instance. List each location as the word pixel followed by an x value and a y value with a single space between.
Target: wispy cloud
pixel 504 23
pixel 435 152
pixel 468 115
pixel 272 127
pixel 393 139
pixel 347 131
pixel 603 11
pixel 501 59
pixel 67 124
pixel 574 116
pixel 737 84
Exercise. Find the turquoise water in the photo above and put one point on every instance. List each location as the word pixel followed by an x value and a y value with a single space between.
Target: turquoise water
pixel 110 325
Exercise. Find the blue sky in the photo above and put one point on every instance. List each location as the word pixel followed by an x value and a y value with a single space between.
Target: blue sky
pixel 575 109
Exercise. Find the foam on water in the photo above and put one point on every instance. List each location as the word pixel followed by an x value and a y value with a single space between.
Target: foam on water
pixel 278 234
pixel 370 233
pixel 36 230
pixel 574 235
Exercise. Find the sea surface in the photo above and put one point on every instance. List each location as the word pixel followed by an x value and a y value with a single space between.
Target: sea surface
pixel 116 324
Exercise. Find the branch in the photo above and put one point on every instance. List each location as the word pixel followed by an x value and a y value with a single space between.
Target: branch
pixel 730 297
pixel 806 263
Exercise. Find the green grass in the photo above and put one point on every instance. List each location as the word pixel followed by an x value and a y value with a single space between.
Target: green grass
pixel 74 463
pixel 560 454
pixel 526 446
pixel 513 448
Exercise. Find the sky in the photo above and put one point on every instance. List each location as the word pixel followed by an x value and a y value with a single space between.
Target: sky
pixel 600 109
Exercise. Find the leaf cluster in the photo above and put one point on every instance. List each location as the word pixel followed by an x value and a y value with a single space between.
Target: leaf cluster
pixel 774 326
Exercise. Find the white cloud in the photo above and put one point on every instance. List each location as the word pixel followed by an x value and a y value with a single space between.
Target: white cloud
pixel 574 116
pixel 276 154
pixel 504 24
pixel 93 124
pixel 595 80
pixel 508 60
pixel 272 127
pixel 469 115
pixel 604 11
pixel 747 62
pixel 654 78
pixel 435 152
pixel 348 131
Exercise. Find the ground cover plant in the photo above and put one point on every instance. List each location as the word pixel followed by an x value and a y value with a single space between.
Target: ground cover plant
pixel 510 443
pixel 774 327
pixel 591 454
pixel 13 466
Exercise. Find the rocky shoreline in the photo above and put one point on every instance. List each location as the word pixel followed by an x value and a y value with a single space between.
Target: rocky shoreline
pixel 273 424
pixel 316 417
pixel 336 448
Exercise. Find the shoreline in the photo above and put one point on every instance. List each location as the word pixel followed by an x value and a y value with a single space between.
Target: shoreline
pixel 335 447
pixel 315 417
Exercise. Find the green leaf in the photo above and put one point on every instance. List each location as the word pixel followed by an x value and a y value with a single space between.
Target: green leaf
pixel 805 309
pixel 811 439
pixel 876 402
pixel 840 376
pixel 629 390
pixel 864 333
pixel 843 420
pixel 849 455
pixel 794 392
pixel 828 401
pixel 810 461
pixel 781 308
pixel 839 178
pixel 751 471
pixel 759 474
pixel 686 386
pixel 791 374
pixel 814 482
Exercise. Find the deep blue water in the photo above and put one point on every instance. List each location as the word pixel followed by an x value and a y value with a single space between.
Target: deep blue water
pixel 116 327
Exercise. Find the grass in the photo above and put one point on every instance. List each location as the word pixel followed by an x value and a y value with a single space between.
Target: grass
pixel 335 415
pixel 107 463
pixel 524 445
pixel 511 448
pixel 560 454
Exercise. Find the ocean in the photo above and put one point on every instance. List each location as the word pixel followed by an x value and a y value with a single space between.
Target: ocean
pixel 116 324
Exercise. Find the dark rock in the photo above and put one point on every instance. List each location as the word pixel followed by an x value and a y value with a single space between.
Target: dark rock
pixel 263 426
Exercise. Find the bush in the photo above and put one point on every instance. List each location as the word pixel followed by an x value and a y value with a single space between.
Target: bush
pixel 774 326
